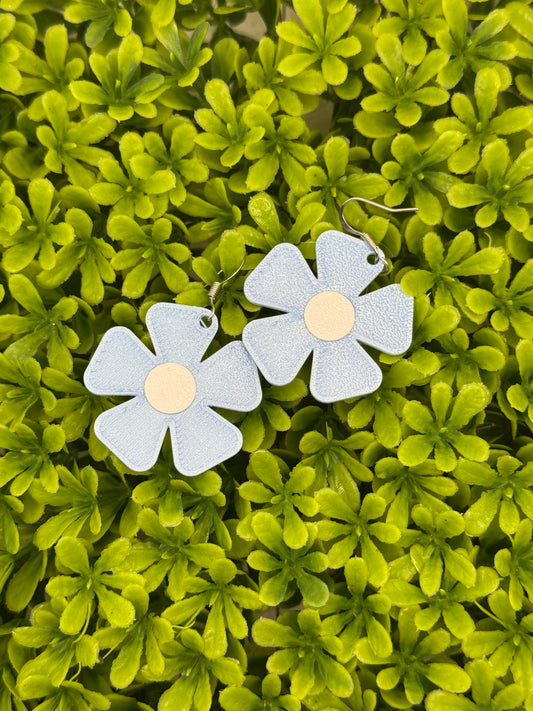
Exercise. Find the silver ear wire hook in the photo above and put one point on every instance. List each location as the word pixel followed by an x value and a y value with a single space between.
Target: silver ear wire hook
pixel 364 235
pixel 215 288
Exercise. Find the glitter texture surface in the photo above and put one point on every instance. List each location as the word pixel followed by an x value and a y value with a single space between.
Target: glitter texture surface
pixel 134 430
pixel 280 345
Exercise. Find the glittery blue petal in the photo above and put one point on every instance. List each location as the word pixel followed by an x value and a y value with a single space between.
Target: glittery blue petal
pixel 133 431
pixel 279 346
pixel 178 334
pixel 384 319
pixel 282 281
pixel 229 379
pixel 342 263
pixel 201 439
pixel 119 365
pixel 342 369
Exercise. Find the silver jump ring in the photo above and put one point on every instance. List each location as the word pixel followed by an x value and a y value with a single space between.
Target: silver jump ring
pixel 215 288
pixel 364 235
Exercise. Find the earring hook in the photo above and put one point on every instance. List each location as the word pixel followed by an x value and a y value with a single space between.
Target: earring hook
pixel 217 285
pixel 364 235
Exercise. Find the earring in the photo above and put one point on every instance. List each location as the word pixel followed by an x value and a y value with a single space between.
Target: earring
pixel 172 389
pixel 326 315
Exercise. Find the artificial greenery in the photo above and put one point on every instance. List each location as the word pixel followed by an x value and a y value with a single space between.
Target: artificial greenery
pixel 373 554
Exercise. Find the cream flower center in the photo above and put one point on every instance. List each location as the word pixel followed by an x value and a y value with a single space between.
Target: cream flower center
pixel 329 316
pixel 170 388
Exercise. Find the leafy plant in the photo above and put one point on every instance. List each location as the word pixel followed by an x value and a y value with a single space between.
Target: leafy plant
pixel 357 528
pixel 322 43
pixel 61 650
pixel 28 456
pixel 401 87
pixel 224 128
pixel 280 146
pixel 508 304
pixel 9 52
pixel 516 564
pixel 414 664
pixel 505 649
pixel 197 674
pixel 101 15
pixel 503 489
pixel 415 21
pixel 225 599
pixel 410 173
pixel 38 233
pixel 477 49
pixel 448 602
pixel 283 499
pixel 119 89
pixel 483 688
pixel 62 64
pixel 88 253
pixel 69 145
pixel 287 568
pixel 148 634
pixel 477 121
pixel 21 388
pixel 134 192
pixel 307 650
pixel 445 274
pixel 431 554
pixel 441 434
pixel 234 697
pixel 41 325
pixel 91 582
pixel 504 189
pixel 151 253
pixel 365 555
pixel 354 614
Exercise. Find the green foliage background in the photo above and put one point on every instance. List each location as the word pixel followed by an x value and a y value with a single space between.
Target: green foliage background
pixel 372 554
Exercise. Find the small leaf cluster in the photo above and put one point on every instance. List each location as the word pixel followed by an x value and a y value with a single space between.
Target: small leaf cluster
pixel 368 555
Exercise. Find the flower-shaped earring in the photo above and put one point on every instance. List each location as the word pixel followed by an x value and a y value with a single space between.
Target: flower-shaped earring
pixel 172 390
pixel 327 315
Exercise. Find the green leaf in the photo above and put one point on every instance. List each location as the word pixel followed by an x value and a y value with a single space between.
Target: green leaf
pixel 119 611
pixel 460 567
pixel 336 676
pixel 126 664
pixel 448 676
pixel 73 555
pixel 76 613
pixel 415 450
pixel 431 573
pixel 238 699
pixel 295 532
pixel 214 632
pixel 269 633
pixel 446 701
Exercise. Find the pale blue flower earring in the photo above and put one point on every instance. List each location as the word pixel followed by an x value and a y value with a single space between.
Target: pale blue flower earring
pixel 172 389
pixel 326 315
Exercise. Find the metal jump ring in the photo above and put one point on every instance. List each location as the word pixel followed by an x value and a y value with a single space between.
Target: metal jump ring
pixel 364 235
pixel 215 288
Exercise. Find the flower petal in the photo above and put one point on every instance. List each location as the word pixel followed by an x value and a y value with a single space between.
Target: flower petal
pixel 384 319
pixel 134 432
pixel 342 263
pixel 279 346
pixel 342 369
pixel 229 379
pixel 119 365
pixel 282 281
pixel 201 439
pixel 178 333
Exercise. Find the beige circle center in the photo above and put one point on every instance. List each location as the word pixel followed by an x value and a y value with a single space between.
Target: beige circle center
pixel 170 388
pixel 329 316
